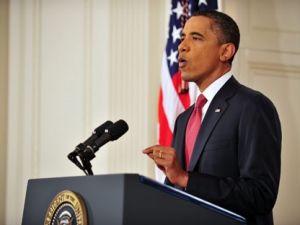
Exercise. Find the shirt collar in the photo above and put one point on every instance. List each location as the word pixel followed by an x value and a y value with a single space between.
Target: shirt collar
pixel 212 89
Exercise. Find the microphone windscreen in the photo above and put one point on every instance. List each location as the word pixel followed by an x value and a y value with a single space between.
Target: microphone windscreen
pixel 117 129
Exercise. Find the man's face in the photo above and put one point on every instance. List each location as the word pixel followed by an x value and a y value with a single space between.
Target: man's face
pixel 199 51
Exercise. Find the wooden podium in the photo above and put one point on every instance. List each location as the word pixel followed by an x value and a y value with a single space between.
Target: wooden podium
pixel 127 199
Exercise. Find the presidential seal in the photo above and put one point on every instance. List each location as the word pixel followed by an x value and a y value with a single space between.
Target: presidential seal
pixel 67 208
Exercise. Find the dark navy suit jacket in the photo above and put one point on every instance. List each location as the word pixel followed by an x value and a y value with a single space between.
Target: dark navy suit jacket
pixel 236 159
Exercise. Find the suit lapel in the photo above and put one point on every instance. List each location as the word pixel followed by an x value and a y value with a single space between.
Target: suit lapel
pixel 215 111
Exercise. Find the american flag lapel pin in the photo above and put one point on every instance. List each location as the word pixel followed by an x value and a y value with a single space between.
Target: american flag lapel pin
pixel 218 110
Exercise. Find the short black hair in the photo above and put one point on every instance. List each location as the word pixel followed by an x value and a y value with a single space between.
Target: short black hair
pixel 225 28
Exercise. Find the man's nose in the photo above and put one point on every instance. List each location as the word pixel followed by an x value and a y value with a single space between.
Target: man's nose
pixel 183 47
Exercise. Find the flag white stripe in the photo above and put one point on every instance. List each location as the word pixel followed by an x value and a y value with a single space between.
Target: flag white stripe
pixel 171 102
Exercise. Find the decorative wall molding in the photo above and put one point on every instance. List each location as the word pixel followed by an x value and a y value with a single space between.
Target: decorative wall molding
pixel 269 25
pixel 279 64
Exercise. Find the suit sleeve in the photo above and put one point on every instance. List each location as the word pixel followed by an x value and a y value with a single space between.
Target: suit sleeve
pixel 259 148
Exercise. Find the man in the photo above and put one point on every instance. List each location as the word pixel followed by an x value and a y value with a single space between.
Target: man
pixel 235 159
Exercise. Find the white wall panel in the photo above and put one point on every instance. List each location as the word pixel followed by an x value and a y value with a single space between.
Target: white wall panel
pixel 4 20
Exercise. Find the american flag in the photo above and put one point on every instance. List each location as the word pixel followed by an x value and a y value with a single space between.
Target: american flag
pixel 175 95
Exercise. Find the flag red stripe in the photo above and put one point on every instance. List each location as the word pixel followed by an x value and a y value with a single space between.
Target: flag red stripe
pixel 165 137
pixel 184 97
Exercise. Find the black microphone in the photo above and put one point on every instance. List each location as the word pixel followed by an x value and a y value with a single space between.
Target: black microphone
pixel 79 148
pixel 97 132
pixel 113 132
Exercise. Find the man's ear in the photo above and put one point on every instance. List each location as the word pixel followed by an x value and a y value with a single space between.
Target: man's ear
pixel 227 51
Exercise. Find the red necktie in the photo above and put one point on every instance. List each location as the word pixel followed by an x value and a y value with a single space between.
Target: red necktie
pixel 193 128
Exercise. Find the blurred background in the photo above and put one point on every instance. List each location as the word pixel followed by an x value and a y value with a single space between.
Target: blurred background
pixel 67 66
